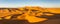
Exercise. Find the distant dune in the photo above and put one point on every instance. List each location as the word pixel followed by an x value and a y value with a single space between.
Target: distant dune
pixel 30 13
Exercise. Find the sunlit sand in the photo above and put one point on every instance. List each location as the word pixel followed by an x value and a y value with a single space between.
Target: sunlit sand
pixel 29 15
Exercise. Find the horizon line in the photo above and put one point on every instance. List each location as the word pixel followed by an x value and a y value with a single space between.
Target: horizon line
pixel 29 6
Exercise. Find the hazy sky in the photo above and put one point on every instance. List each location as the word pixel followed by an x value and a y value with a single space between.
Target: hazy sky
pixel 21 3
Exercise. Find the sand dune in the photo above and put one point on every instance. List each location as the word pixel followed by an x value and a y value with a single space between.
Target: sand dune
pixel 28 13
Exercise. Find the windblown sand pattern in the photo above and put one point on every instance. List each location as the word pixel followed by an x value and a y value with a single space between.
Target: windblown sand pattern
pixel 31 14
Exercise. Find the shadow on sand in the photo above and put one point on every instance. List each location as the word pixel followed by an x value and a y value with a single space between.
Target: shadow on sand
pixel 51 20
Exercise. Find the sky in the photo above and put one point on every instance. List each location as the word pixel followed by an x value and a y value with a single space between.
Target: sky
pixel 22 3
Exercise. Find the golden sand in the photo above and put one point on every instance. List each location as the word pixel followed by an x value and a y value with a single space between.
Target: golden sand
pixel 29 14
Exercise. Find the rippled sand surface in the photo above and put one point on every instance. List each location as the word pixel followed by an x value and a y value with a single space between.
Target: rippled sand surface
pixel 30 15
